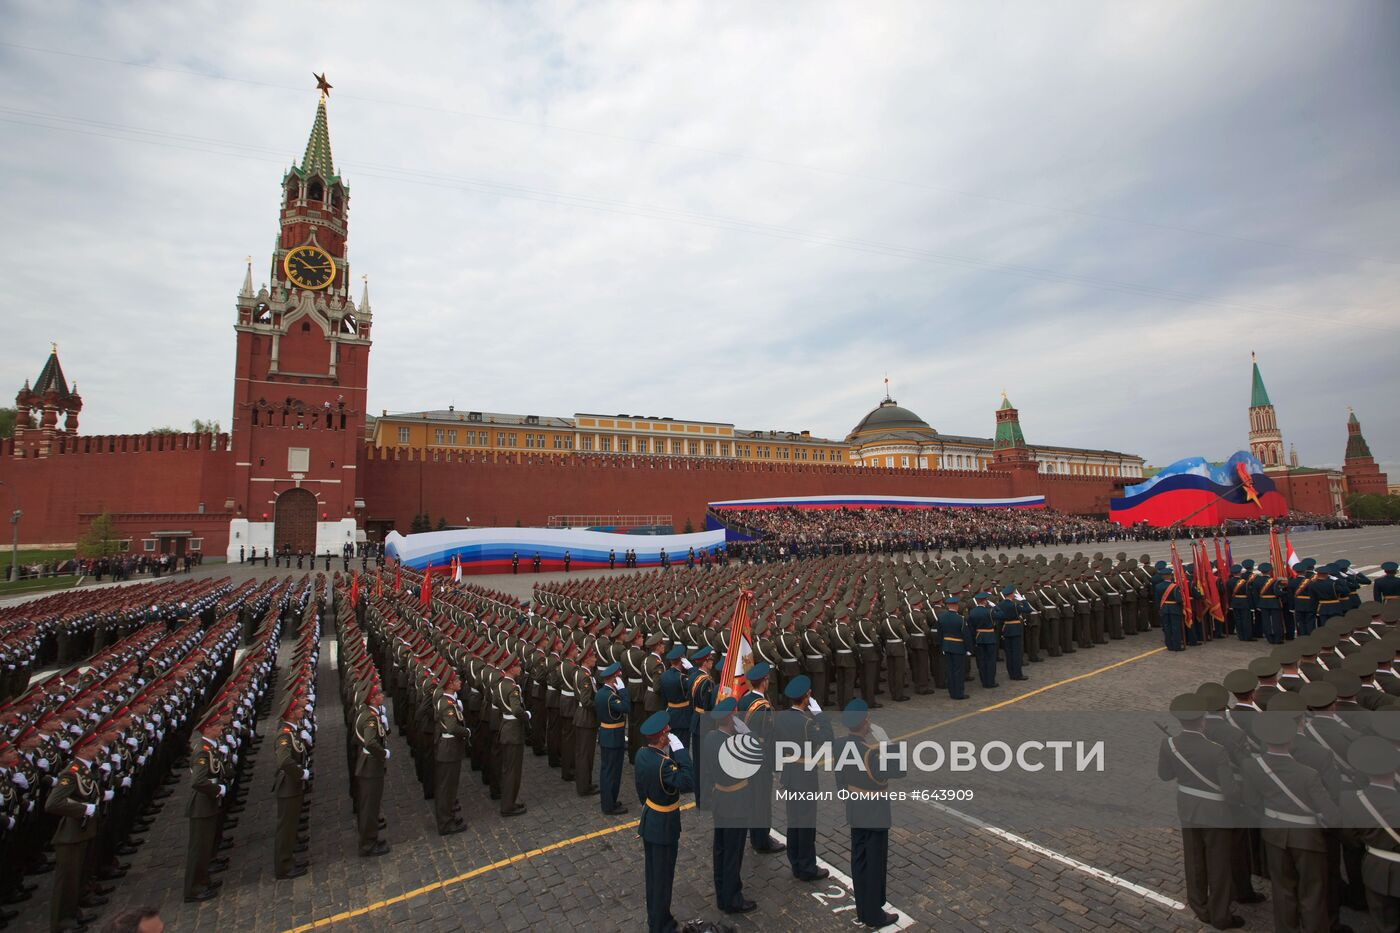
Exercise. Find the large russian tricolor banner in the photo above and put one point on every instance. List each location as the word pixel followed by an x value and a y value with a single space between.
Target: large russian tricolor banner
pixel 880 502
pixel 1214 493
pixel 491 550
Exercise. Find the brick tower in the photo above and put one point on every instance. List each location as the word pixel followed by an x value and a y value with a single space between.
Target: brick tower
pixel 47 400
pixel 1009 450
pixel 1359 467
pixel 1265 439
pixel 301 372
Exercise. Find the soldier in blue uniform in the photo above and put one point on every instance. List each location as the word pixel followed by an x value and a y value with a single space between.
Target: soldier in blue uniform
pixel 663 771
pixel 984 632
pixel 868 812
pixel 702 700
pixel 1241 607
pixel 1165 591
pixel 1304 601
pixel 953 638
pixel 1387 588
pixel 728 801
pixel 757 714
pixel 612 706
pixel 1351 581
pixel 799 724
pixel 1010 613
pixel 1329 594
pixel 1265 590
pixel 675 693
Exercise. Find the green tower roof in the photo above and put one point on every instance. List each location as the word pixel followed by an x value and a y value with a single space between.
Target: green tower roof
pixel 1009 429
pixel 1259 396
pixel 317 160
pixel 1357 448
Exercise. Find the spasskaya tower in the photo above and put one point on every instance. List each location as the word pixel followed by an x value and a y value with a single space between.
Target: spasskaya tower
pixel 301 372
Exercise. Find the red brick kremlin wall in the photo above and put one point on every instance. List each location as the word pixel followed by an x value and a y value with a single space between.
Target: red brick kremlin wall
pixel 149 482
pixel 499 490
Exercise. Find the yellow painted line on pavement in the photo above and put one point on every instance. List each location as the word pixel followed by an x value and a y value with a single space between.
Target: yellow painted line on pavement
pixel 1026 696
pixel 632 824
pixel 466 876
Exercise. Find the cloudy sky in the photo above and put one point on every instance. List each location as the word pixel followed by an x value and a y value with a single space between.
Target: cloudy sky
pixel 734 212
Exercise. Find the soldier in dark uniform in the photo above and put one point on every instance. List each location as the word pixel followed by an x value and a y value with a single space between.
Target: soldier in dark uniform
pixel 612 706
pixel 674 691
pixel 757 711
pixel 452 738
pixel 535 562
pixel 1205 783
pixel 983 627
pixel 1371 815
pixel 1169 602
pixel 798 723
pixel 868 812
pixel 953 639
pixel 702 699
pixel 1009 613
pixel 728 803
pixel 369 770
pixel 663 772
pixel 515 562
pixel 1386 588
pixel 1264 590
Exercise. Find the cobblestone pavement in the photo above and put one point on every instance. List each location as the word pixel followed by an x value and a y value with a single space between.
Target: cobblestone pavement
pixel 565 866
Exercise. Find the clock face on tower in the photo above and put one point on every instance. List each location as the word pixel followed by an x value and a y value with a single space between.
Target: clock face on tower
pixel 309 267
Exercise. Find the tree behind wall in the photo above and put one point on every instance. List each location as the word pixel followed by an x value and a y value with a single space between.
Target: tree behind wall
pixel 100 540
pixel 7 422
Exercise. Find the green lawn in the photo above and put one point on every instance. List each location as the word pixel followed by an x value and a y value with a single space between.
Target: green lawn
pixel 21 587
pixel 30 557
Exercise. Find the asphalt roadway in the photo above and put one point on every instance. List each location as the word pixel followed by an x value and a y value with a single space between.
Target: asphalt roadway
pixel 565 866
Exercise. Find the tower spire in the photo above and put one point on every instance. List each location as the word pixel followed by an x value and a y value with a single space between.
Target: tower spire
pixel 247 290
pixel 317 158
pixel 364 297
pixel 1259 396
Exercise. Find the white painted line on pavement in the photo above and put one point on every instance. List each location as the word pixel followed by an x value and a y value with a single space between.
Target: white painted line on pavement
pixel 832 899
pixel 1076 864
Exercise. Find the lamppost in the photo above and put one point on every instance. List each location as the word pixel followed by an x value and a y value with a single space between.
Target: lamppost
pixel 14 545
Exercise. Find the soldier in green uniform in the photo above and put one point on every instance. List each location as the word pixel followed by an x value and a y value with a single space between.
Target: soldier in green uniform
pixel 585 727
pixel 289 784
pixel 663 771
pixel 1294 806
pixel 842 639
pixel 209 786
pixel 452 738
pixel 1371 815
pixel 1205 783
pixel 73 801
pixel 612 706
pixel 370 761
pixel 512 739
